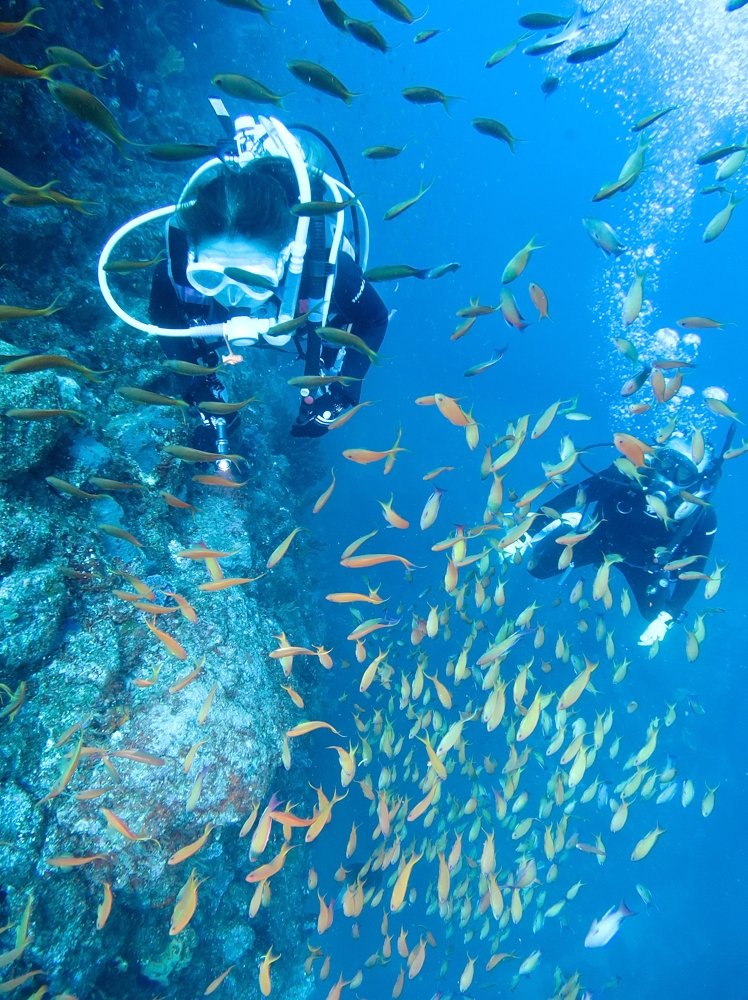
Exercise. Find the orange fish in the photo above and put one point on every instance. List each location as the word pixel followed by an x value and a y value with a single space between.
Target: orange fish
pixel 322 500
pixel 142 588
pixel 186 904
pixel 293 695
pixel 171 644
pixel 334 993
pixel 186 852
pixel 348 597
pixel 70 861
pixel 146 682
pixel 436 472
pixel 323 817
pixel 173 501
pixel 350 549
pixel 105 907
pixel 9 28
pixel 185 607
pixel 345 417
pixel 450 408
pixel 362 562
pixel 114 821
pixel 218 481
pixel 124 536
pixel 262 833
pixel 632 448
pixel 272 867
pixel 229 581
pixel 213 986
pixel 188 678
pixel 283 651
pixel 362 456
pixel 202 715
pixel 139 757
pixel 19 71
pixel 390 516
pixel 153 609
pixel 267 961
pixel 281 550
pixel 308 727
pixel 205 553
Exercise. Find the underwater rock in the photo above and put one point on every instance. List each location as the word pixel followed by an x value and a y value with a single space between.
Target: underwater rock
pixel 32 604
pixel 25 534
pixel 26 443
pixel 174 957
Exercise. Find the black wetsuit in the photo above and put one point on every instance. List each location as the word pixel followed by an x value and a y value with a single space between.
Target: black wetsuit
pixel 628 530
pixel 354 301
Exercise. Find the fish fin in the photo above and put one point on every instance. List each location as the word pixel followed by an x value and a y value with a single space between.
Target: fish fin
pixel 625 911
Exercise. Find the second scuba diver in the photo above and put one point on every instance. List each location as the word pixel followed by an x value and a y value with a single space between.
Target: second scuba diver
pixel 242 270
pixel 628 525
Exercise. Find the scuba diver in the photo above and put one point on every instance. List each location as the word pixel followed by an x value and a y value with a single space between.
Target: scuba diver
pixel 621 509
pixel 242 270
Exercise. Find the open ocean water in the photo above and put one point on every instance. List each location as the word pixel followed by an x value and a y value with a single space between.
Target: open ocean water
pixel 484 204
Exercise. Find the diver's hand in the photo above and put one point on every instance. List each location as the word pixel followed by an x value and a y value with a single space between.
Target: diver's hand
pixel 656 630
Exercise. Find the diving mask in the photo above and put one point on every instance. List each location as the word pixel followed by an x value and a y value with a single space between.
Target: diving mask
pixel 244 279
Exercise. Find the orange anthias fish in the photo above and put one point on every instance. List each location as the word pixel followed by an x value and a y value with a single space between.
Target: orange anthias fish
pixel 267 961
pixel 322 500
pixel 322 817
pixel 281 550
pixel 185 607
pixel 347 597
pixel 171 644
pixel 173 501
pixel 262 832
pixel 186 852
pixel 390 516
pixel 450 408
pixel 114 821
pixel 272 867
pixel 308 727
pixel 105 907
pixel 632 448
pixel 71 861
pixel 362 562
pixel 362 456
pixel 226 582
pixel 345 417
pixel 186 904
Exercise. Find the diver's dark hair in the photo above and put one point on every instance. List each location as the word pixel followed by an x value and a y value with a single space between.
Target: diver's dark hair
pixel 252 204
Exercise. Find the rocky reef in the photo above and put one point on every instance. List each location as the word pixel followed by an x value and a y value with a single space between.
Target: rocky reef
pixel 73 654
pixel 79 654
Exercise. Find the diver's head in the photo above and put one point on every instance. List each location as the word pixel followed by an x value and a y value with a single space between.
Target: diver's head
pixel 240 220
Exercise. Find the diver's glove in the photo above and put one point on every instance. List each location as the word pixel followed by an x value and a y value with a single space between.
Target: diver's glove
pixel 657 629
pixel 314 420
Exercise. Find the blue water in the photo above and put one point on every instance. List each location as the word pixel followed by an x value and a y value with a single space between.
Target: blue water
pixel 485 204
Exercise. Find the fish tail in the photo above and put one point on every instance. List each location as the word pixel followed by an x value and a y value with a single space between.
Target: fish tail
pixel 45 74
pixel 26 20
pixel 53 308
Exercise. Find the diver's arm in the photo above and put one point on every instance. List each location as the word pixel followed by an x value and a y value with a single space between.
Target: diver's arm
pixel 358 302
pixel 665 608
pixel 164 308
pixel 167 311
